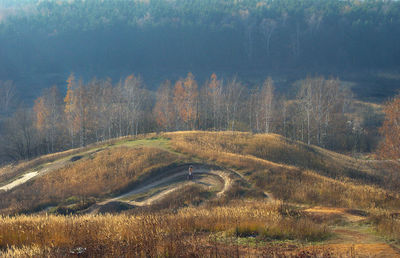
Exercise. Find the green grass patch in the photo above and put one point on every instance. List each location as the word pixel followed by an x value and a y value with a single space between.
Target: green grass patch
pixel 148 142
pixel 155 142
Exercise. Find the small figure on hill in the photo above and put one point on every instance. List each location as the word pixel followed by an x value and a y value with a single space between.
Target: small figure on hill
pixel 190 173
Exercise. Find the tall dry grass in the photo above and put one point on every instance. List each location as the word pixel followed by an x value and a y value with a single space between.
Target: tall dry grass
pixel 190 232
pixel 387 224
pixel 105 172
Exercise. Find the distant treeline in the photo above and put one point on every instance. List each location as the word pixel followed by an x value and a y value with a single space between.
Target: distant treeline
pixel 63 36
pixel 321 112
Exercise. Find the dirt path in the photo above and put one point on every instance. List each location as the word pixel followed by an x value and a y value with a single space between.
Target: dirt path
pixel 347 214
pixel 48 167
pixel 176 181
pixel 217 180
pixel 19 181
pixel 354 239
pixel 45 168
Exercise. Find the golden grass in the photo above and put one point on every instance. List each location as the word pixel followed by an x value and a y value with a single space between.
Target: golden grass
pixel 271 147
pixel 156 234
pixel 26 251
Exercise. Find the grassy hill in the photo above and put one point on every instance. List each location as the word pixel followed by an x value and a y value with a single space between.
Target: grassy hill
pixel 252 195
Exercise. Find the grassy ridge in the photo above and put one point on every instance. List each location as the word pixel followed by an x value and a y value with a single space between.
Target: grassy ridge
pixel 299 173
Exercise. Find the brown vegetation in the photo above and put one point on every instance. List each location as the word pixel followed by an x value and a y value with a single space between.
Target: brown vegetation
pixel 192 231
pixel 390 146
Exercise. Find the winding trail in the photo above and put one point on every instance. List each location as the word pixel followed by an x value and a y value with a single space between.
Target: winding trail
pixel 148 193
pixel 354 239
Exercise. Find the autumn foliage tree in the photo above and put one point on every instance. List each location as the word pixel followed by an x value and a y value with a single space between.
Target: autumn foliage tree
pixel 163 111
pixel 215 100
pixel 77 110
pixel 70 108
pixel 185 101
pixel 49 117
pixel 41 113
pixel 390 146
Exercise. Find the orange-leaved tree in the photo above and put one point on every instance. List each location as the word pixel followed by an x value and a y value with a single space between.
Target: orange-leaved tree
pixel 77 110
pixel 163 111
pixel 185 100
pixel 70 107
pixel 41 113
pixel 390 145
pixel 214 93
pixel 49 117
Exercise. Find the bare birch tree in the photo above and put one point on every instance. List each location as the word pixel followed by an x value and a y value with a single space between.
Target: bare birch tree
pixel 267 96
pixel 233 94
pixel 214 93
pixel 306 103
pixel 133 92
pixel 7 96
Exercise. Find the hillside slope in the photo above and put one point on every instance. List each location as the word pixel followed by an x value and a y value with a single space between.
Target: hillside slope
pixel 292 192
pixel 289 170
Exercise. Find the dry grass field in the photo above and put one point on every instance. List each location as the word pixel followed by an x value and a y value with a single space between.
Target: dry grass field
pixel 293 171
pixel 285 199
